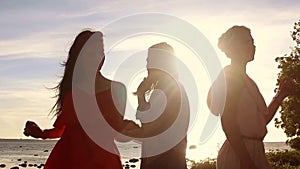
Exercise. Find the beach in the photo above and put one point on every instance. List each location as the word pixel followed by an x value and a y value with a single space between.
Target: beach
pixel 27 153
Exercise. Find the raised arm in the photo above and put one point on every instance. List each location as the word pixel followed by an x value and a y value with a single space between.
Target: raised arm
pixel 285 89
pixel 53 133
pixel 33 130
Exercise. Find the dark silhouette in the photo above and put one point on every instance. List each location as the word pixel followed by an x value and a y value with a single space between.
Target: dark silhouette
pixel 161 112
pixel 245 114
pixel 75 149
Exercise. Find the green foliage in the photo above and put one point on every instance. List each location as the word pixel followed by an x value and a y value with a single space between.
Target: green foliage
pixel 289 66
pixel 284 159
pixel 205 164
pixel 277 159
pixel 295 143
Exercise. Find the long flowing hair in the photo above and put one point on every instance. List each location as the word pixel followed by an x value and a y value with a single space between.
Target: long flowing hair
pixel 65 85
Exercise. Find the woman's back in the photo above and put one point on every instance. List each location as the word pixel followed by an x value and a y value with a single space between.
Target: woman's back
pixel 75 149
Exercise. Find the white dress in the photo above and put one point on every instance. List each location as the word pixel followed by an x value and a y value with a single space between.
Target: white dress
pixel 251 122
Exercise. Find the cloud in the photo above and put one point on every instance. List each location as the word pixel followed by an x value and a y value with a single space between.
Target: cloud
pixel 27 68
pixel 21 19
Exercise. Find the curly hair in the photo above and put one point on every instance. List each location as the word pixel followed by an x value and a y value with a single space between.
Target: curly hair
pixel 232 37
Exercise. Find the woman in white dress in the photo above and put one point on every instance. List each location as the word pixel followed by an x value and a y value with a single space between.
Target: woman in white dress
pixel 245 114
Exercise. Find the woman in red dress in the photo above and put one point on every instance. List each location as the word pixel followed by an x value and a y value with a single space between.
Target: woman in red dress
pixel 76 149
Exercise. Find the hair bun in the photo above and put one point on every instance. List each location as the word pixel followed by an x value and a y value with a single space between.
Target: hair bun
pixel 229 38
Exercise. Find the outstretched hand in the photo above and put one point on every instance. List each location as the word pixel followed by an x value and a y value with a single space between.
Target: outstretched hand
pixel 33 130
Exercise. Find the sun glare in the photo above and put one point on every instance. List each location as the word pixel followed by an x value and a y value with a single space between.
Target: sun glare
pixel 129 68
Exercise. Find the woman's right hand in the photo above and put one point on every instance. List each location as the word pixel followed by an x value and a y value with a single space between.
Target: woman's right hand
pixel 33 130
pixel 144 86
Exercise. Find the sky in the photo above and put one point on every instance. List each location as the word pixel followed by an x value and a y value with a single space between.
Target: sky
pixel 36 35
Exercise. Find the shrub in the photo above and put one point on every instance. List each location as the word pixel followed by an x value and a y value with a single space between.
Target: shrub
pixel 284 159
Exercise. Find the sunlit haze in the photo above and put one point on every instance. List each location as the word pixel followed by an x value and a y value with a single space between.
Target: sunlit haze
pixel 36 35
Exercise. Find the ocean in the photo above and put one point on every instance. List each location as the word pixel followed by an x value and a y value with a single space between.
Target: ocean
pixel 34 153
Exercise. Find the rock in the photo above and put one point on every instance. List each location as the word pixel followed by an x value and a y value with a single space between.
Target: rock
pixel 35 155
pixel 132 166
pixel 127 167
pixel 133 160
pixel 19 159
pixel 30 165
pixel 14 168
pixel 23 165
pixel 46 151
pixel 25 162
pixel 192 147
pixel 20 146
pixel 2 165
pixel 41 165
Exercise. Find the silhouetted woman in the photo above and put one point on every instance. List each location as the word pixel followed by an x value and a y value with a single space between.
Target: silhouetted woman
pixel 75 149
pixel 245 115
pixel 165 114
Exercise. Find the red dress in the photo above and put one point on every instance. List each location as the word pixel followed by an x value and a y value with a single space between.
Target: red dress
pixel 75 150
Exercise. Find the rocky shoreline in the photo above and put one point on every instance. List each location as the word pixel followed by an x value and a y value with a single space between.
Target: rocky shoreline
pixel 131 163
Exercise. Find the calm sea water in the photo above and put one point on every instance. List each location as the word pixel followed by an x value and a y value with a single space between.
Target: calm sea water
pixel 35 152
